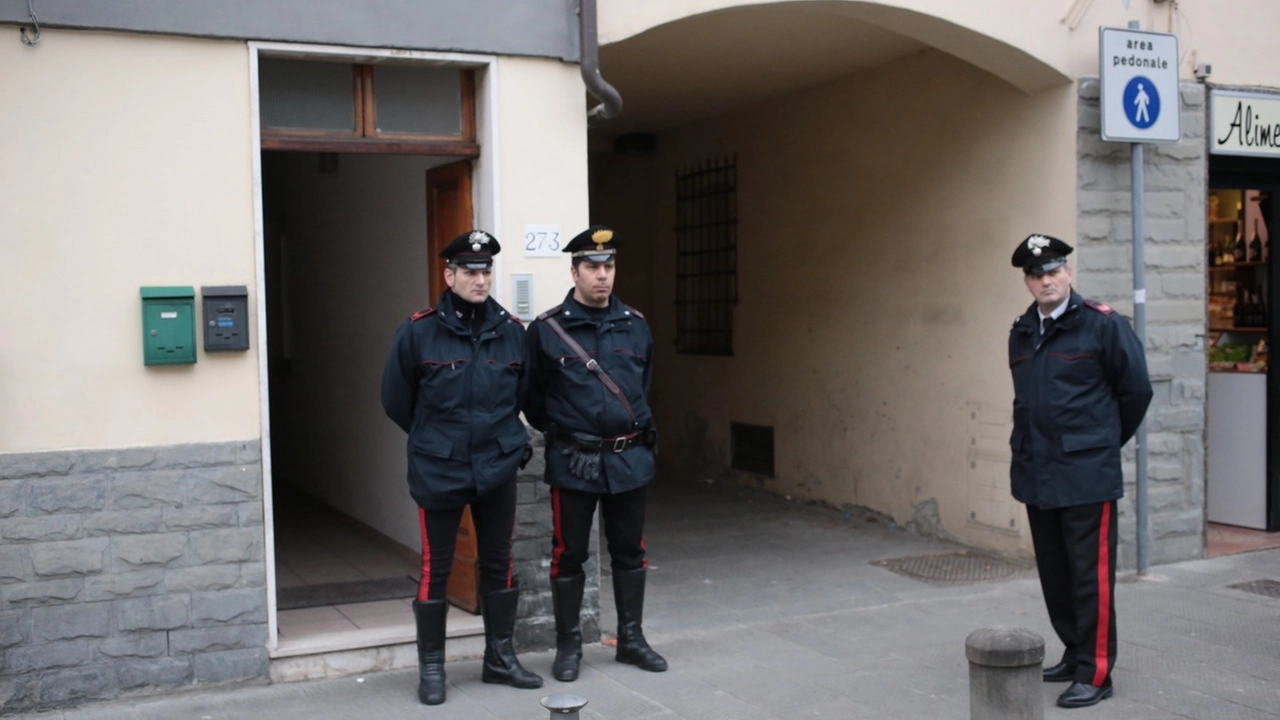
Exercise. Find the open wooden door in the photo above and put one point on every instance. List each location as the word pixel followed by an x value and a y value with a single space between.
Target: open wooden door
pixel 449 214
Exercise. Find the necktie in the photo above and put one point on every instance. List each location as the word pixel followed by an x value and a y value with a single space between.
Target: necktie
pixel 1047 326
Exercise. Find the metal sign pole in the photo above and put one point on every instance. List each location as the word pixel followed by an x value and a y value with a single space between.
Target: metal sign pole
pixel 1140 327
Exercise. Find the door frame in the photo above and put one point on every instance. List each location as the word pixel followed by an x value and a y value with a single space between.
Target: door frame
pixel 438 237
pixel 486 207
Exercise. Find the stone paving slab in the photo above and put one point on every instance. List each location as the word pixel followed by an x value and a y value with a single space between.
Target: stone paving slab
pixel 788 619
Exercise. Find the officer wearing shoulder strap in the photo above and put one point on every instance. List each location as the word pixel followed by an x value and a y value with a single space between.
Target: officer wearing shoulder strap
pixel 453 382
pixel 1080 391
pixel 591 363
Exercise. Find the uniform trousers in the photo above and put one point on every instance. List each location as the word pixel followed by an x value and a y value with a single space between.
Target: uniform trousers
pixel 572 512
pixel 1075 554
pixel 494 517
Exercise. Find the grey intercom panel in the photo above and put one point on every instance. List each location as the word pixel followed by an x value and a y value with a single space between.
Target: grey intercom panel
pixel 226 317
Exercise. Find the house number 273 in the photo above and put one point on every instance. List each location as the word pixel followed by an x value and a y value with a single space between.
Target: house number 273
pixel 542 241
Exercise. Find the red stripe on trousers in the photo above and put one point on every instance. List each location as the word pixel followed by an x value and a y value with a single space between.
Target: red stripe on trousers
pixel 558 537
pixel 644 561
pixel 1104 597
pixel 424 585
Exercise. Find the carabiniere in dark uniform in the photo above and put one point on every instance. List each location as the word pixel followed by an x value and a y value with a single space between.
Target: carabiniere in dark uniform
pixel 1081 390
pixel 591 364
pixel 453 381
pixel 577 411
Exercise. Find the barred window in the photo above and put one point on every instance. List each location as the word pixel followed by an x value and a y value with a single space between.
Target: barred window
pixel 706 256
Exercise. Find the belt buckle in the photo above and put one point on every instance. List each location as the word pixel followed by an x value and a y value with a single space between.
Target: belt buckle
pixel 619 444
pixel 593 367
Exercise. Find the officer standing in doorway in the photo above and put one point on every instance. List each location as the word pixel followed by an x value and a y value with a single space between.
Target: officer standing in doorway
pixel 591 364
pixel 453 382
pixel 1080 391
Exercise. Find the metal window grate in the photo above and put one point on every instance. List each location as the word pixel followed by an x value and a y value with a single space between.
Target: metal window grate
pixel 752 448
pixel 706 256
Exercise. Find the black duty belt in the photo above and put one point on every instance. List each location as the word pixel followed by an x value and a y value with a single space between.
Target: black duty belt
pixel 641 438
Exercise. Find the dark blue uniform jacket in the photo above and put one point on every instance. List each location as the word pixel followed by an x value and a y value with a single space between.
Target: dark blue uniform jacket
pixel 458 399
pixel 1079 393
pixel 562 392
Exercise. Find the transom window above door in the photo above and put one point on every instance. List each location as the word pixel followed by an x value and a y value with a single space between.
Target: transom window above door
pixel 303 103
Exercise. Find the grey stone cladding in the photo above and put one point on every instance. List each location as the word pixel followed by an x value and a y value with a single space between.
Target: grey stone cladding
pixel 536 627
pixel 127 571
pixel 1175 224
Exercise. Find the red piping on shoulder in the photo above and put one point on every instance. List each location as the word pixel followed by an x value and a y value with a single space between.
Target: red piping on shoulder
pixel 421 314
pixel 552 312
pixel 1100 307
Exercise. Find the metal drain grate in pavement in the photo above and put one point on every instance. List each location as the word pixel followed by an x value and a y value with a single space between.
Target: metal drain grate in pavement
pixel 1269 588
pixel 958 568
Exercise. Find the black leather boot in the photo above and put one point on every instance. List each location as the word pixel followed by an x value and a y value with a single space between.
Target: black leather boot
pixel 628 597
pixel 500 662
pixel 430 616
pixel 566 596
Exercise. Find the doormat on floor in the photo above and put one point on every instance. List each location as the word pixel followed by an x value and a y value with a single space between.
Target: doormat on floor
pixel 345 593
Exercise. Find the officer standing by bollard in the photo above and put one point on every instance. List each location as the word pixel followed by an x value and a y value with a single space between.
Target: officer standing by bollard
pixel 591 363
pixel 453 382
pixel 1080 391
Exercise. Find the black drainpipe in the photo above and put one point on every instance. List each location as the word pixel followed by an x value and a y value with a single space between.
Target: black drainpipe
pixel 610 101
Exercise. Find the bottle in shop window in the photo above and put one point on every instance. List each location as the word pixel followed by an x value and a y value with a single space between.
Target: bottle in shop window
pixel 1240 253
pixel 1237 308
pixel 1250 308
pixel 1255 244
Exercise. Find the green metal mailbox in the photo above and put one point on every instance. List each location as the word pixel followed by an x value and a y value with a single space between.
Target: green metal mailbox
pixel 168 325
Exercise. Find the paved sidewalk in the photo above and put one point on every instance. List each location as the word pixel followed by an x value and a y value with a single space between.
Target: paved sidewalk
pixel 766 609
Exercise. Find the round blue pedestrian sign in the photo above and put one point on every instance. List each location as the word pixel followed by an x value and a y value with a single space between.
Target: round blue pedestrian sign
pixel 1141 102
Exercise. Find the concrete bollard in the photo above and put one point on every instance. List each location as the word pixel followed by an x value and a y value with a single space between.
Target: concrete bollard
pixel 564 705
pixel 1004 674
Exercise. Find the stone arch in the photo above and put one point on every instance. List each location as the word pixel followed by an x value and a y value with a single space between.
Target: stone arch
pixel 1024 45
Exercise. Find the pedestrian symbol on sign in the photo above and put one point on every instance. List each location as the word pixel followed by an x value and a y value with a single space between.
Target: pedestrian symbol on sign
pixel 1141 102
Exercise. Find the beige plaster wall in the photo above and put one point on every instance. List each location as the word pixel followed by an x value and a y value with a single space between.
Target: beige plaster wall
pixel 1026 43
pixel 1234 37
pixel 876 219
pixel 127 163
pixel 541 157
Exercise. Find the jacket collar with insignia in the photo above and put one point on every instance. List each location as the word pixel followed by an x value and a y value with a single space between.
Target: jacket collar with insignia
pixel 572 311
pixel 1029 321
pixel 494 314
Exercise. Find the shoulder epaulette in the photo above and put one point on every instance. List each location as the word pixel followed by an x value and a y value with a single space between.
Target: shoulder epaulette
pixel 633 311
pixel 421 314
pixel 1099 306
pixel 551 313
